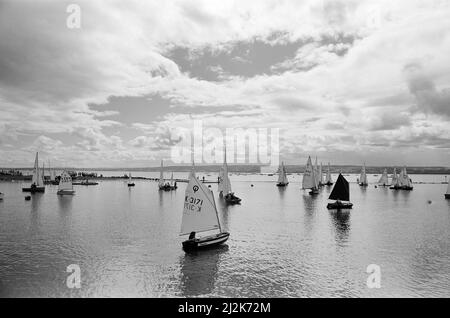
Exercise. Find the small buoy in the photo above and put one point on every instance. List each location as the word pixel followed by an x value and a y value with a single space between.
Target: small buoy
pixel 209 186
pixel 376 187
pixel 429 202
pixel 251 185
pixel 27 198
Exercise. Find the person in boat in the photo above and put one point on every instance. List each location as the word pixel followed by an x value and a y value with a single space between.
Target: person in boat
pixel 192 236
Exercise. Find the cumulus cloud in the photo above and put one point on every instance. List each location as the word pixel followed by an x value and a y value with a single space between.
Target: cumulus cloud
pixel 321 70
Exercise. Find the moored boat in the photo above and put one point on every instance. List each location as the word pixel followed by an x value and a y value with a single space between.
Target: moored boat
pixel 200 215
pixel 341 195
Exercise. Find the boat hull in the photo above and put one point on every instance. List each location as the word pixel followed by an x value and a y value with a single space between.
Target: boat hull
pixel 363 184
pixel 401 188
pixel 339 205
pixel 314 192
pixel 131 184
pixel 205 242
pixel 329 184
pixel 282 184
pixel 447 195
pixel 65 192
pixel 1 196
pixel 232 199
pixel 34 190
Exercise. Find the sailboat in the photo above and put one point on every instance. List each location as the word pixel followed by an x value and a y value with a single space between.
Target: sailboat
pixel 309 178
pixel 328 180
pixel 130 180
pixel 65 186
pixel 341 192
pixel 200 215
pixel 384 180
pixel 363 177
pixel 395 182
pixel 405 181
pixel 447 195
pixel 37 182
pixel 173 183
pixel 52 175
pixel 282 178
pixel 225 184
pixel 316 173
pixel 321 183
pixel 162 185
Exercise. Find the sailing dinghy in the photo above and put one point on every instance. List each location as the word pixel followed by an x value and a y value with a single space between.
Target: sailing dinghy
pixel 37 182
pixel 447 195
pixel 225 184
pixel 363 177
pixel 65 186
pixel 130 180
pixel 384 180
pixel 162 184
pixel 309 178
pixel 328 180
pixel 282 178
pixel 341 192
pixel 200 215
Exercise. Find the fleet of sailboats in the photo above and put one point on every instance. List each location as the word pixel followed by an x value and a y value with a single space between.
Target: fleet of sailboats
pixel 402 181
pixel 282 177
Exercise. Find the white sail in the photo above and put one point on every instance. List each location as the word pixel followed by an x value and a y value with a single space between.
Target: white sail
pixel 384 178
pixel 402 178
pixel 363 175
pixel 448 187
pixel 406 179
pixel 394 181
pixel 282 178
pixel 316 172
pixel 320 174
pixel 129 176
pixel 309 176
pixel 171 180
pixel 37 176
pixel 65 183
pixel 161 176
pixel 52 172
pixel 199 212
pixel 328 178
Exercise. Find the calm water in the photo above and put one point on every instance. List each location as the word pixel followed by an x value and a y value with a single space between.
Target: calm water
pixel 283 242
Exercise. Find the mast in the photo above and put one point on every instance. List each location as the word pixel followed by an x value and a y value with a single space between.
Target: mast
pixel 448 187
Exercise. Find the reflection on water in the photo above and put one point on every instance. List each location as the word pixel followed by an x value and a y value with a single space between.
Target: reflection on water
pixel 199 271
pixel 341 225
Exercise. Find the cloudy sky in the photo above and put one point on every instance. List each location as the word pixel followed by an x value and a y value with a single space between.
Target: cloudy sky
pixel 348 81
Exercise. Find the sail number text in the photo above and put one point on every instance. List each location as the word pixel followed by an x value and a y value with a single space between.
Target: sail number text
pixel 193 204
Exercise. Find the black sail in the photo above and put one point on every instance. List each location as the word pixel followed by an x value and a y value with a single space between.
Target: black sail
pixel 341 190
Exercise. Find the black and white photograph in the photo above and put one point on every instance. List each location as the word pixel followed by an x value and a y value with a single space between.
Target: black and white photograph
pixel 223 149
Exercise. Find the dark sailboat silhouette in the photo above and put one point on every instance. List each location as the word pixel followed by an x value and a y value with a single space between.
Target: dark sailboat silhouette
pixel 341 192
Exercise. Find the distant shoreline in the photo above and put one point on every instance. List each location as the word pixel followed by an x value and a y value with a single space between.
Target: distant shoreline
pixel 258 169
